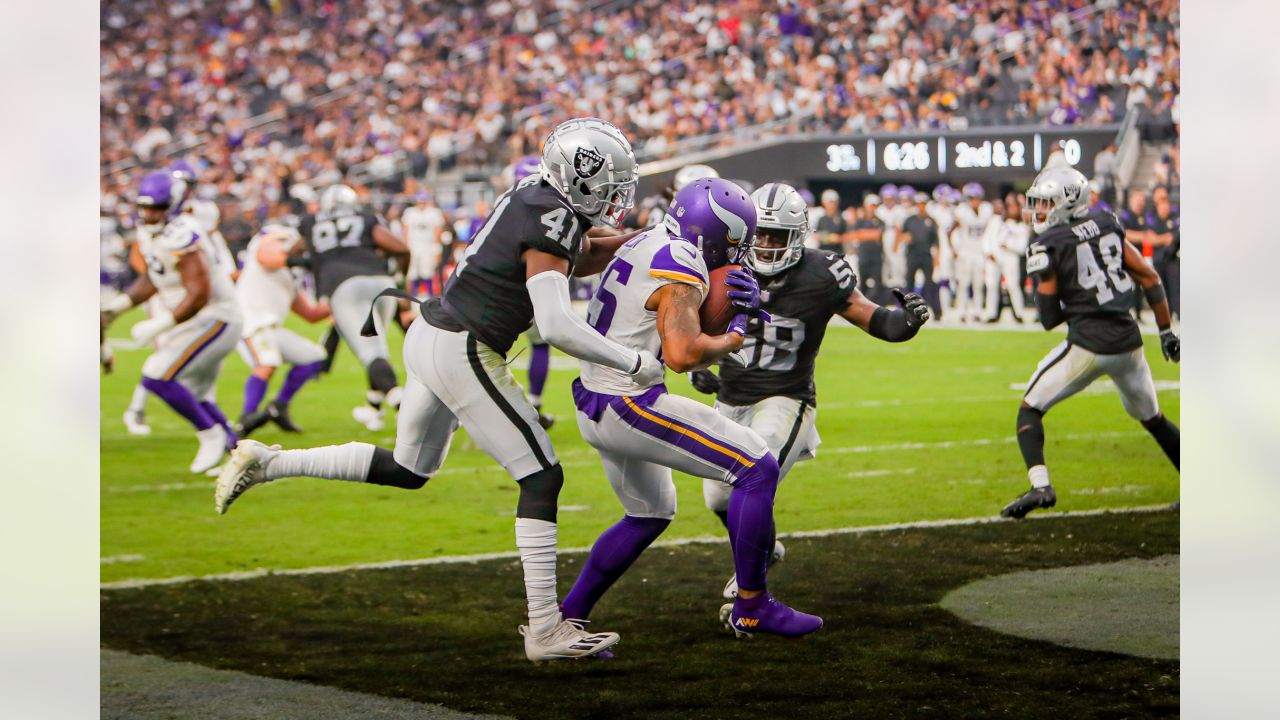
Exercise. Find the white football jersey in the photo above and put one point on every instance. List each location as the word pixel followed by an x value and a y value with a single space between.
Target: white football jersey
pixel 163 250
pixel 970 226
pixel 420 225
pixel 1008 237
pixel 644 264
pixel 266 295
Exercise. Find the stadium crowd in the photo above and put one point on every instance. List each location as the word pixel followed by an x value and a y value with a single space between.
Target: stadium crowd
pixel 266 93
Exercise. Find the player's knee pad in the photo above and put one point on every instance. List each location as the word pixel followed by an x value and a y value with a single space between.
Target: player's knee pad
pixel 384 470
pixel 382 377
pixel 540 494
pixel 716 494
pixel 762 476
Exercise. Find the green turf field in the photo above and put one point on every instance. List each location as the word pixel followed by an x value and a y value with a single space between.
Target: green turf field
pixel 445 634
pixel 922 430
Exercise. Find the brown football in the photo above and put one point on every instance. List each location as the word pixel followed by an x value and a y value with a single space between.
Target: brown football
pixel 716 310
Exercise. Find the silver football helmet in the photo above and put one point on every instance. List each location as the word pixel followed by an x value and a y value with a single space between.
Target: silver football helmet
pixel 339 199
pixel 782 224
pixel 590 162
pixel 689 173
pixel 1058 195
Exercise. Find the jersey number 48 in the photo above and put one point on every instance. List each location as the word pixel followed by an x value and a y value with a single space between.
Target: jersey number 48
pixel 1092 277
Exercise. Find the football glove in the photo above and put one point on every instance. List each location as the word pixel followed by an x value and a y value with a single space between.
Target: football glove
pixel 914 305
pixel 745 293
pixel 705 381
pixel 1170 345
pixel 145 331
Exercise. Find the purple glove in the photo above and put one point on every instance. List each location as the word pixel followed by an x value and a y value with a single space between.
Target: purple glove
pixel 745 294
pixel 738 325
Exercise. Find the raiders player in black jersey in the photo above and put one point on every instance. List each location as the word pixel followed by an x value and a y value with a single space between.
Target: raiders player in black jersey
pixel 1087 274
pixel 515 270
pixel 345 245
pixel 771 389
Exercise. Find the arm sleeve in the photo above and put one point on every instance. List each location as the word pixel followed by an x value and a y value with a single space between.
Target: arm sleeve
pixel 561 326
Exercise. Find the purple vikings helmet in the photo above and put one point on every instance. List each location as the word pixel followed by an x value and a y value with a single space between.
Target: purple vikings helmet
pixel 889 192
pixel 526 166
pixel 906 194
pixel 159 190
pixel 973 190
pixel 942 193
pixel 808 197
pixel 718 217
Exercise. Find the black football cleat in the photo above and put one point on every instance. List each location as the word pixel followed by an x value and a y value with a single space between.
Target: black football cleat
pixel 545 420
pixel 279 415
pixel 1030 500
pixel 251 422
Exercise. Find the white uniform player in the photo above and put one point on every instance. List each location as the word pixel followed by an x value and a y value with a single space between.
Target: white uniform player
pixel 193 351
pixel 266 297
pixel 972 218
pixel 423 229
pixel 1006 241
pixel 198 322
pixel 943 211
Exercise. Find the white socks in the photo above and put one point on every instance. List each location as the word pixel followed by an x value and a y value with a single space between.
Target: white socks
pixel 335 462
pixel 537 542
pixel 138 403
pixel 1039 476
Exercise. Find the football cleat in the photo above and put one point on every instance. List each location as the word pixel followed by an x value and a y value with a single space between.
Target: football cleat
pixel 242 471
pixel 568 640
pixel 770 617
pixel 250 423
pixel 731 587
pixel 279 415
pixel 368 416
pixel 213 445
pixel 1043 497
pixel 136 423
pixel 545 420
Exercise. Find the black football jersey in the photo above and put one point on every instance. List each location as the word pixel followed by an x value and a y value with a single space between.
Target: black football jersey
pixel 781 354
pixel 486 294
pixel 341 247
pixel 1087 257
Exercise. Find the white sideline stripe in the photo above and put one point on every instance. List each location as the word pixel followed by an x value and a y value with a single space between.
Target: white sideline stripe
pixel 514 555
pixel 112 559
pixel 890 447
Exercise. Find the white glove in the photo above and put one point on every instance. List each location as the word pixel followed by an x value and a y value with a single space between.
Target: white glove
pixel 651 370
pixel 144 331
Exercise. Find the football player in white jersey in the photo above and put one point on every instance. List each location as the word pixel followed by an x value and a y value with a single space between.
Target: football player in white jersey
pixel 199 323
pixel 648 300
pixel 943 211
pixel 972 218
pixel 1005 244
pixel 423 229
pixel 267 292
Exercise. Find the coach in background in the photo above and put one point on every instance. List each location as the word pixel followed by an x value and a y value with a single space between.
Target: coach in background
pixel 920 234
pixel 1136 223
pixel 831 226
pixel 868 236
pixel 1165 235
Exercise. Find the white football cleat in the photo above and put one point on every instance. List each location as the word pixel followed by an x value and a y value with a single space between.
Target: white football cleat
pixel 242 471
pixel 568 640
pixel 213 445
pixel 368 416
pixel 731 587
pixel 136 423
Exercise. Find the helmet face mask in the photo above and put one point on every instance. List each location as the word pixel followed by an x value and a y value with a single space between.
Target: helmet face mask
pixel 591 163
pixel 782 224
pixel 1059 195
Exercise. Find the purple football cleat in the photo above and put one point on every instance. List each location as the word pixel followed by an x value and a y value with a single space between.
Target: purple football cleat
pixel 765 614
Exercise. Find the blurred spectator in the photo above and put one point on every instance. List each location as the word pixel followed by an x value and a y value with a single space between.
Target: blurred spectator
pixel 831 227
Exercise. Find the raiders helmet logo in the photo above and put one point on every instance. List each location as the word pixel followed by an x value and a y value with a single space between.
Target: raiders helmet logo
pixel 587 162
pixel 1071 193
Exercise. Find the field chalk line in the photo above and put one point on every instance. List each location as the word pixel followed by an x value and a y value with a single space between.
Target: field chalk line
pixel 700 540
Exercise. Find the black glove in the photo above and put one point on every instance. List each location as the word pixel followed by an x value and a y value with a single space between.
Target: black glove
pixel 915 306
pixel 1170 345
pixel 705 381
pixel 298 261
